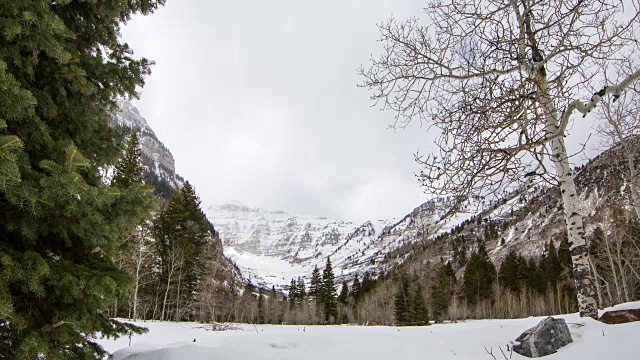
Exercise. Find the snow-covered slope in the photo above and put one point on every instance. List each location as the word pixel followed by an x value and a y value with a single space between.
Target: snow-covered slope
pixel 592 340
pixel 272 247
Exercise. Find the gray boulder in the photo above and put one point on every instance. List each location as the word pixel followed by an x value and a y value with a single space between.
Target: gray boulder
pixel 543 339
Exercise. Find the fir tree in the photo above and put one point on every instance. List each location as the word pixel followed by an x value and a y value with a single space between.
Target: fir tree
pixel 564 253
pixel 479 276
pixel 550 266
pixel 293 294
pixel 261 317
pixel 535 279
pixel 329 293
pixel 62 66
pixel 301 291
pixel 356 289
pixel 441 292
pixel 181 230
pixel 314 287
pixel 509 275
pixel 402 301
pixel 419 310
pixel 129 169
pixel 344 293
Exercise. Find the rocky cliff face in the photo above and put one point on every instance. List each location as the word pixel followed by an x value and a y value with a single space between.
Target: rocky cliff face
pixel 161 169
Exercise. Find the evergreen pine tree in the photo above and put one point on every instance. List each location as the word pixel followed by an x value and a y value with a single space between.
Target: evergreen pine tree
pixel 535 279
pixel 293 294
pixel 479 276
pixel 314 287
pixel 402 301
pixel 509 275
pixel 62 65
pixel 272 314
pixel 344 293
pixel 367 283
pixel 550 266
pixel 441 292
pixel 564 253
pixel 261 317
pixel 129 169
pixel 329 293
pixel 356 289
pixel 419 310
pixel 181 231
pixel 301 289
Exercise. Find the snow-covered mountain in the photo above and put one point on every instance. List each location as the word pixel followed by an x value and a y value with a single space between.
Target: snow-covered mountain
pixel 272 247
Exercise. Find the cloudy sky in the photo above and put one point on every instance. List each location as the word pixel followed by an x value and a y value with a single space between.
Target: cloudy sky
pixel 258 102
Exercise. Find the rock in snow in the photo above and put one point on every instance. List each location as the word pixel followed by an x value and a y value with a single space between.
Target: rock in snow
pixel 543 339
pixel 620 316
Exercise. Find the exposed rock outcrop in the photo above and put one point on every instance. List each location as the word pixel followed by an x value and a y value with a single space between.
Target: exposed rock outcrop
pixel 543 339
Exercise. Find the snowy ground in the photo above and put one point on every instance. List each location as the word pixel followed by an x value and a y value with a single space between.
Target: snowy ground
pixel 167 341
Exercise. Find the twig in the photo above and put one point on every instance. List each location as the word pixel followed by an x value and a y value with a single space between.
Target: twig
pixel 490 352
pixel 255 327
pixel 505 356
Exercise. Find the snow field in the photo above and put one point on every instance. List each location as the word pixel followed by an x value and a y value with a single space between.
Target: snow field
pixel 467 340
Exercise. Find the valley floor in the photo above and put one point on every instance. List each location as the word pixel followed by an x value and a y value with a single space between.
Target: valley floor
pixel 466 340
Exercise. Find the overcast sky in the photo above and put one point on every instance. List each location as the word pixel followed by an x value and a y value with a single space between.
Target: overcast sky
pixel 257 101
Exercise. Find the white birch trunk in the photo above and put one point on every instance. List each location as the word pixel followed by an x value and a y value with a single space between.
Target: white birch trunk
pixel 633 180
pixel 139 260
pixel 166 293
pixel 586 290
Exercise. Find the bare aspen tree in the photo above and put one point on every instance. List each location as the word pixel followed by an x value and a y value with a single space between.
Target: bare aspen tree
pixel 621 127
pixel 500 80
pixel 174 262
pixel 140 258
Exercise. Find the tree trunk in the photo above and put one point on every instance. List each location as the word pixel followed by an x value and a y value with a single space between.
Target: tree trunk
pixel 596 281
pixel 166 293
pixel 614 273
pixel 633 178
pixel 135 292
pixel 177 315
pixel 586 291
